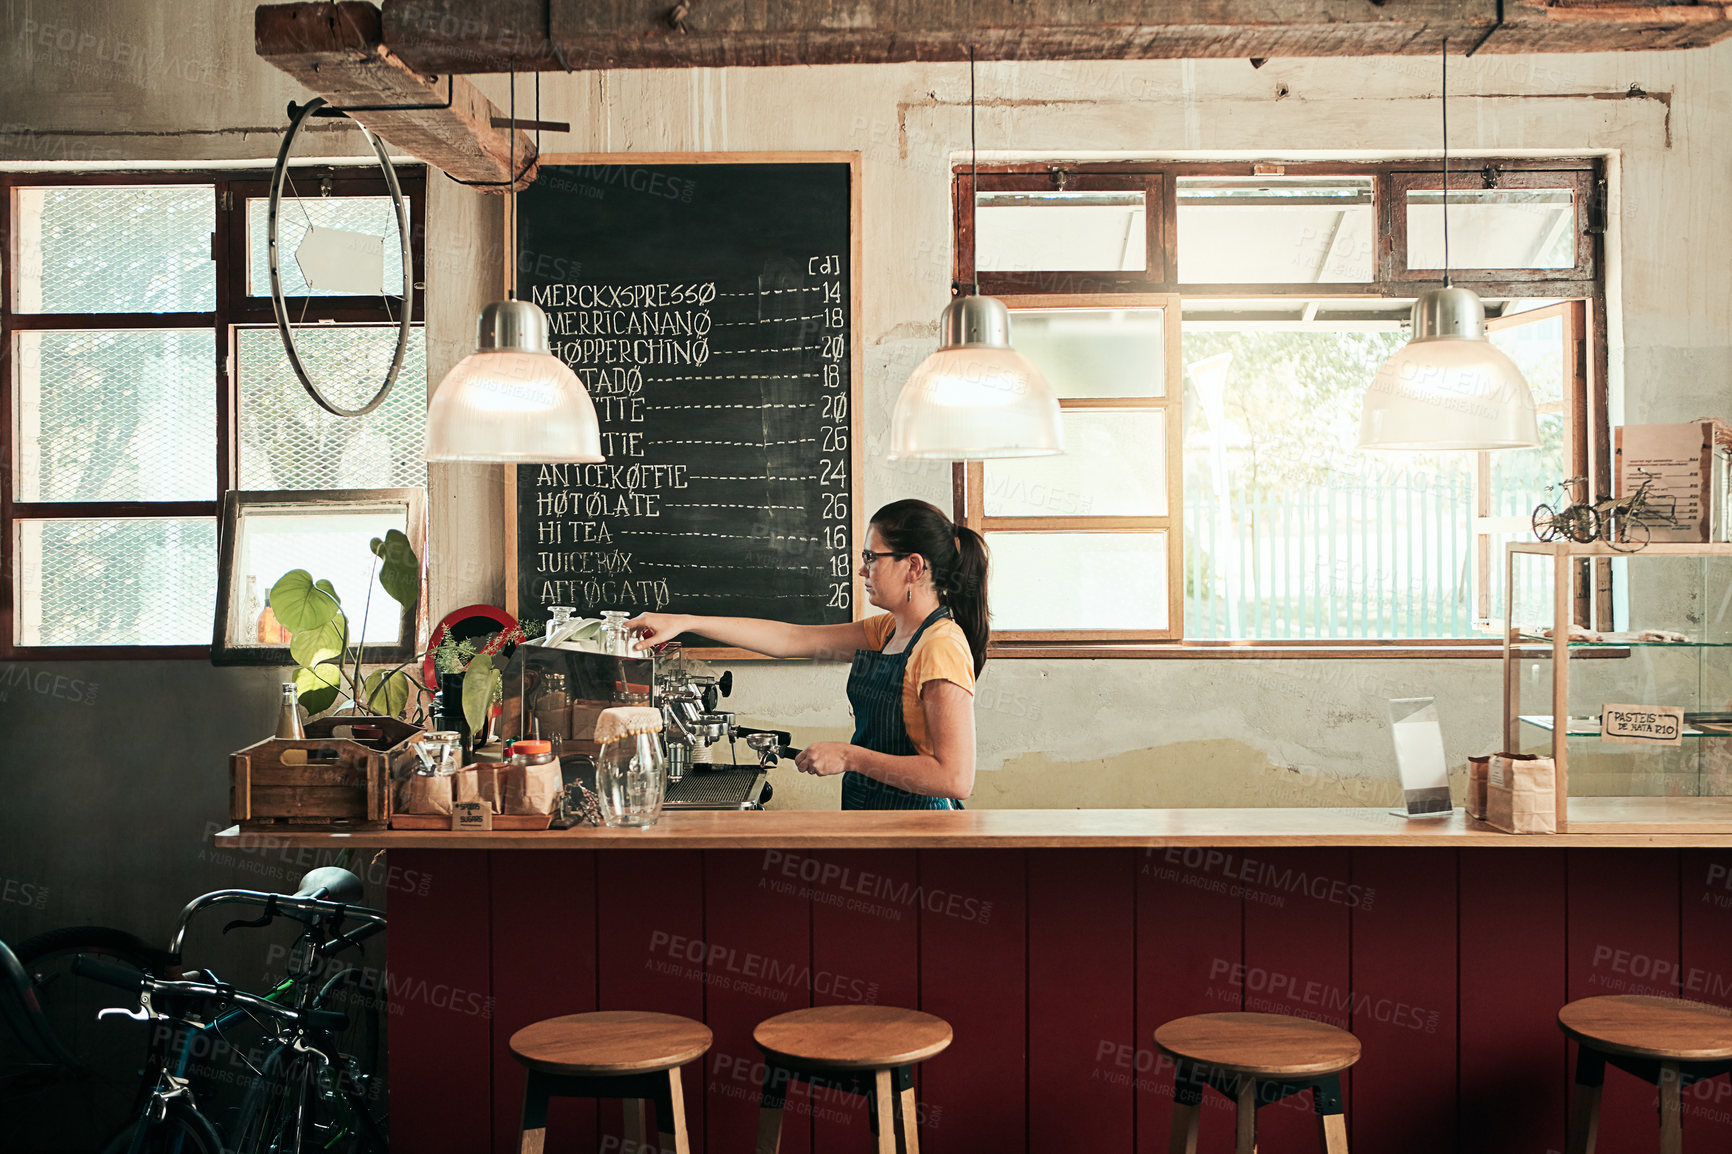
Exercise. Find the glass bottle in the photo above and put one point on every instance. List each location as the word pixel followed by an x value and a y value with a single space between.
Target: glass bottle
pixel 615 637
pixel 270 630
pixel 631 770
pixel 289 716
pixel 560 625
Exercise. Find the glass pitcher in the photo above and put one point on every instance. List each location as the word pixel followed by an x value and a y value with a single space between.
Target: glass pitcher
pixel 631 770
pixel 615 638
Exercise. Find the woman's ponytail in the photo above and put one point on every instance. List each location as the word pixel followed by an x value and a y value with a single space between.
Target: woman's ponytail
pixel 957 556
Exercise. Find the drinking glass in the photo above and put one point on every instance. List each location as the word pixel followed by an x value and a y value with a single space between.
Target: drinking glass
pixel 631 778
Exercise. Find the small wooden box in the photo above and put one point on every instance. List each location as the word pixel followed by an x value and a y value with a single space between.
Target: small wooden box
pixel 326 778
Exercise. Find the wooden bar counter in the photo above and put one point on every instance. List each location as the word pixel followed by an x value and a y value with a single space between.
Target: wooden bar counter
pixel 1054 942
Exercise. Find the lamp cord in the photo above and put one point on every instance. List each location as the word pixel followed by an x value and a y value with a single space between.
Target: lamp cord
pixel 1448 281
pixel 973 160
pixel 511 172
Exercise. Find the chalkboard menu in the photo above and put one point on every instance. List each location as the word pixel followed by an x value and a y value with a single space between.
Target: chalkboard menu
pixel 708 306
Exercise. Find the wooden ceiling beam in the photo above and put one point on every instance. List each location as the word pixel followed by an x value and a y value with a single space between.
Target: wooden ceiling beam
pixel 497 35
pixel 338 51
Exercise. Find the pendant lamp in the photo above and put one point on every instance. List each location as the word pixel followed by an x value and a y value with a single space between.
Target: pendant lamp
pixel 1448 387
pixel 511 399
pixel 976 397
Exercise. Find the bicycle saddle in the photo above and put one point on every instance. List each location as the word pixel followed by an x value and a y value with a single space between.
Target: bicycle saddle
pixel 331 884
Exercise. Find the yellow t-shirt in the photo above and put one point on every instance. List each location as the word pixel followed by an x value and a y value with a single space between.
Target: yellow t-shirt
pixel 941 654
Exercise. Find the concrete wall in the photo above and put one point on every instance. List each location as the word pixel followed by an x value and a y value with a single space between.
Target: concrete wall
pixel 132 81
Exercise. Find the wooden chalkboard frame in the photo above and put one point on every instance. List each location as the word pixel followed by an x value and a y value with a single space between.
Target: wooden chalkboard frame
pixel 856 361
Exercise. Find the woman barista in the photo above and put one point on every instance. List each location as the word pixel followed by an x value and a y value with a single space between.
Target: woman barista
pixel 912 683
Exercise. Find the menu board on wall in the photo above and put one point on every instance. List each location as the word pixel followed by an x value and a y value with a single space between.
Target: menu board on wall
pixel 708 306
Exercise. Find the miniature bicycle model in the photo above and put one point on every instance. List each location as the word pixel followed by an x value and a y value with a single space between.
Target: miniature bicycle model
pixel 1628 522
pixel 1572 521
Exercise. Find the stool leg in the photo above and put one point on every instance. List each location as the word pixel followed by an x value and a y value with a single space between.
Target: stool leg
pixel 883 1099
pixel 1187 1104
pixel 671 1116
pixel 532 1132
pixel 1246 1143
pixel 1585 1106
pixel 1331 1122
pixel 907 1114
pixel 770 1109
pixel 636 1123
pixel 1671 1112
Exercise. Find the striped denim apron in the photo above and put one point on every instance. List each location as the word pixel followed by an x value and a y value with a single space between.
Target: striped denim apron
pixel 875 692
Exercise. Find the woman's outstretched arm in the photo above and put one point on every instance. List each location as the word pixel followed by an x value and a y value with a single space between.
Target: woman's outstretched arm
pixel 771 638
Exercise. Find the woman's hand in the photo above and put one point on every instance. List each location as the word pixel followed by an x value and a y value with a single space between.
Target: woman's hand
pixel 824 758
pixel 655 628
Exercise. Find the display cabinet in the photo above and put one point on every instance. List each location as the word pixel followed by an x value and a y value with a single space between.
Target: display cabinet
pixel 1638 717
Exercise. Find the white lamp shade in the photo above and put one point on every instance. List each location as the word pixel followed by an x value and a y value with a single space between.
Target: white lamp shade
pixel 499 405
pixel 976 397
pixel 1449 387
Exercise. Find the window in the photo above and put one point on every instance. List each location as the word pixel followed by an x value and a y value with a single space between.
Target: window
pixel 1210 330
pixel 144 378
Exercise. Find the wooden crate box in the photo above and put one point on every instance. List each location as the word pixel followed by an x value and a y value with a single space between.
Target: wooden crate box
pixel 326 778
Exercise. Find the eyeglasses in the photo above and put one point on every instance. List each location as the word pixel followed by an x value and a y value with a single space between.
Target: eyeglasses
pixel 868 557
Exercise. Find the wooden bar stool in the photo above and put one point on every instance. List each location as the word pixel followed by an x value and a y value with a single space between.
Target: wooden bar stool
pixel 1256 1059
pixel 613 1054
pixel 865 1050
pixel 1666 1042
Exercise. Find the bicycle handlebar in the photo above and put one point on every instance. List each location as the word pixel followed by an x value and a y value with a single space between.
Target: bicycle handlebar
pixel 304 909
pixel 132 981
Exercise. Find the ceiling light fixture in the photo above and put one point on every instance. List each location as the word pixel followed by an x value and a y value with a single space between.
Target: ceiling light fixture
pixel 511 399
pixel 1448 387
pixel 976 397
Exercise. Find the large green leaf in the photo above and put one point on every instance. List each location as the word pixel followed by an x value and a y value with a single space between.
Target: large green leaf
pixel 317 687
pixel 385 692
pixel 400 571
pixel 300 604
pixel 311 646
pixel 480 684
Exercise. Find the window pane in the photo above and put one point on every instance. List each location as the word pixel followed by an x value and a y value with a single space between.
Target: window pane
pixel 1114 465
pixel 111 249
pixel 1290 531
pixel 1262 231
pixel 1095 352
pixel 1060 231
pixel 117 415
pixel 1078 580
pixel 370 215
pixel 288 442
pixel 1493 228
pixel 120 581
pixel 332 545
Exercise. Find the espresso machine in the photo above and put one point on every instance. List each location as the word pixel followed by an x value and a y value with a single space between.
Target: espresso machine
pixel 557 692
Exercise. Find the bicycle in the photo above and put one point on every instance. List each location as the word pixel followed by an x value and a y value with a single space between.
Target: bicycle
pixel 315 1088
pixel 67 1082
pixel 1629 521
pixel 1573 521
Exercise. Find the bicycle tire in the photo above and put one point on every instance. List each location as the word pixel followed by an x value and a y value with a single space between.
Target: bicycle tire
pixel 300 1103
pixel 1629 534
pixel 183 1131
pixel 279 306
pixel 1582 524
pixel 1545 523
pixel 87 1109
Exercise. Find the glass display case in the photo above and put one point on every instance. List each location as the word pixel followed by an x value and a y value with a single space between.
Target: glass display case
pixel 1619 666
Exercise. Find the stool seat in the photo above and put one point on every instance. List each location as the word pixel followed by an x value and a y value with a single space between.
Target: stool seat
pixel 610 1042
pixel 852 1037
pixel 1640 1026
pixel 1260 1045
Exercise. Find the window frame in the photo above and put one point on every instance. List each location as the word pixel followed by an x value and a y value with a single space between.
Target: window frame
pixel 232 310
pixel 1580 291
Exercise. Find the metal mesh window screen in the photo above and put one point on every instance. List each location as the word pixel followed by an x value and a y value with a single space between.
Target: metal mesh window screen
pixel 372 215
pixel 288 442
pixel 116 415
pixel 115 249
pixel 117 581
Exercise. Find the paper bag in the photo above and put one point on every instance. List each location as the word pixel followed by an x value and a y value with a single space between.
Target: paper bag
pixel 530 788
pixel 424 793
pixel 1521 793
pixel 1477 770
